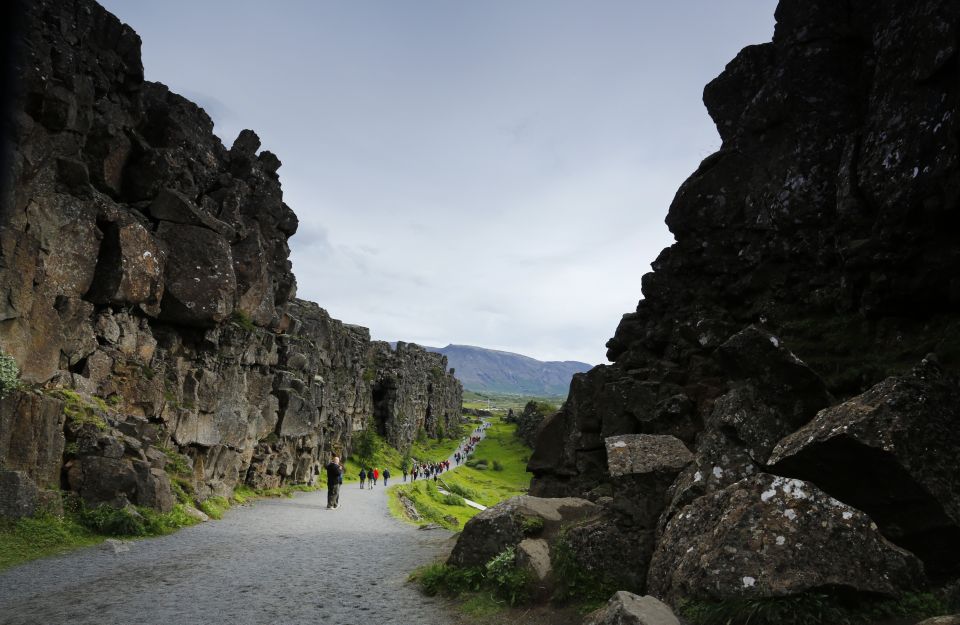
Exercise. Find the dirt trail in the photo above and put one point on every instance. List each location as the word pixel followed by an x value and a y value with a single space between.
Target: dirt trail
pixel 278 561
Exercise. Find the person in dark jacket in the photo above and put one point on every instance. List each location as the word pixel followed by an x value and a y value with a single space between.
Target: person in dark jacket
pixel 363 477
pixel 386 476
pixel 334 475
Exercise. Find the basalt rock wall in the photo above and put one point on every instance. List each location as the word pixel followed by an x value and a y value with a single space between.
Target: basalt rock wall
pixel 147 296
pixel 815 256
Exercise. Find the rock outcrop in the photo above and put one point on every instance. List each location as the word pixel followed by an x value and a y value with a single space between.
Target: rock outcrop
pixel 770 536
pixel 815 257
pixel 148 298
pixel 891 452
pixel 510 522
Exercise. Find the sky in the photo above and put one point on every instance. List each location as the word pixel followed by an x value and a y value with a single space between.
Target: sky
pixel 491 173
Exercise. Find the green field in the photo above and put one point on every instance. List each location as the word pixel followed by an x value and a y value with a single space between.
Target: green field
pixel 505 476
pixel 501 402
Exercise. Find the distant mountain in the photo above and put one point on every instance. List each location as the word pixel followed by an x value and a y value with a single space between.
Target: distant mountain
pixel 481 369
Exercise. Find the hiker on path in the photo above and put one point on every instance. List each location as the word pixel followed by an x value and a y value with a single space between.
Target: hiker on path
pixel 363 477
pixel 386 476
pixel 404 474
pixel 334 475
pixel 376 475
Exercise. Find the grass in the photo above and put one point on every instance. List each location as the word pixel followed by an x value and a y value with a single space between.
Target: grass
pixel 44 535
pixel 485 486
pixel 433 506
pixel 500 578
pixel 28 539
pixel 81 411
pixel 501 448
pixel 501 402
pixel 433 450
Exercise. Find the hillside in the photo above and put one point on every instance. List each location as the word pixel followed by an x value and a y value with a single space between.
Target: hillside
pixel 480 369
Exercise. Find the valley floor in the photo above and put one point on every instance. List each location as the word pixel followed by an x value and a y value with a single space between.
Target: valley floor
pixel 284 561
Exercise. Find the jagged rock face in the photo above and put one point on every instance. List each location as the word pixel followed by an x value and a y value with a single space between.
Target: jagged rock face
pixel 411 390
pixel 144 267
pixel 815 255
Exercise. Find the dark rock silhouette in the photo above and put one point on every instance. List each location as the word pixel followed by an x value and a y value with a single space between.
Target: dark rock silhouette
pixel 815 256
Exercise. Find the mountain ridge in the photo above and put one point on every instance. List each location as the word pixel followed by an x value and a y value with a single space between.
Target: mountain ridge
pixel 483 369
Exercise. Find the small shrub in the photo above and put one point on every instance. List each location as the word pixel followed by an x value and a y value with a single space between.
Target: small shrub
pixel 243 320
pixel 183 490
pixel 214 507
pixel 177 463
pixel 531 525
pixel 452 500
pixel 497 465
pixel 159 524
pixel 81 412
pixel 114 521
pixel 9 373
pixel 507 580
pixel 463 491
pixel 447 580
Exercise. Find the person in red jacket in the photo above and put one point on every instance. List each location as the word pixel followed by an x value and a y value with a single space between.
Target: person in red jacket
pixel 376 475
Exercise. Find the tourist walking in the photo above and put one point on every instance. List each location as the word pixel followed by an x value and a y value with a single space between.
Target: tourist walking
pixel 386 476
pixel 376 475
pixel 363 477
pixel 334 476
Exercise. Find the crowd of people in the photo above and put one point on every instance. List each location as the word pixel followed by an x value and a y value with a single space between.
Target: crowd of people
pixel 420 470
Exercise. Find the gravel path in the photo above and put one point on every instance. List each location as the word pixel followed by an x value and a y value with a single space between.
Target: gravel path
pixel 278 561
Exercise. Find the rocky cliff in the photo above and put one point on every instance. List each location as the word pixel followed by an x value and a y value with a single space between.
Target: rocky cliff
pixel 815 256
pixel 148 298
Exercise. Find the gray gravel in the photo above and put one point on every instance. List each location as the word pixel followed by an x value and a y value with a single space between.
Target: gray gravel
pixel 277 561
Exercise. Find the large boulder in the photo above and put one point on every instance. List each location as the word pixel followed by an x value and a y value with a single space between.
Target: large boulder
pixel 891 452
pixel 200 282
pixel 769 536
pixel 507 524
pixel 626 608
pixel 639 454
pixel 112 480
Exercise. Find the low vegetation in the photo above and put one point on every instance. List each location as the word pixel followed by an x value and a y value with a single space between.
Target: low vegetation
pixel 497 471
pixel 499 581
pixel 9 373
pixel 502 402
pixel 80 525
